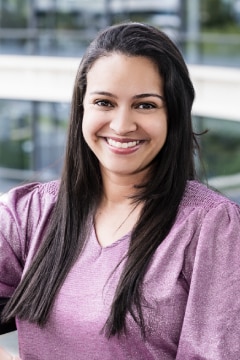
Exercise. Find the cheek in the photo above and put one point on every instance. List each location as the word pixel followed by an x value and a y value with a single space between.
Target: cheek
pixel 92 124
pixel 89 123
pixel 87 130
pixel 165 131
pixel 159 131
pixel 84 127
pixel 91 128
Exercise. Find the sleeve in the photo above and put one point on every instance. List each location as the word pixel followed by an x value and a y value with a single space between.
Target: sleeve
pixel 211 326
pixel 15 224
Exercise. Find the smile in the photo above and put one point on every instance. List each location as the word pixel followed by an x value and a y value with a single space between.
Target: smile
pixel 122 145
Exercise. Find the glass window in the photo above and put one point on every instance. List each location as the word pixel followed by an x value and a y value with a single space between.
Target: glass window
pixel 220 152
pixel 15 135
pixel 32 138
pixel 49 137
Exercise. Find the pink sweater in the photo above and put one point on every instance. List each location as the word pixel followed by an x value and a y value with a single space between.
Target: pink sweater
pixel 192 285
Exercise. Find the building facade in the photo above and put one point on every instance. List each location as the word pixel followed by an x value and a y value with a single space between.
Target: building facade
pixel 41 43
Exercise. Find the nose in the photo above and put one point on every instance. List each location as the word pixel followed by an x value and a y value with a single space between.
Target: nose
pixel 123 122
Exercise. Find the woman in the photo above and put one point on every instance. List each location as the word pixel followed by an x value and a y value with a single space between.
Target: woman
pixel 128 257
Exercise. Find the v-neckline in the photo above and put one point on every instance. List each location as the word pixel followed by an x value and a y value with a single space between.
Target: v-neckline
pixel 113 244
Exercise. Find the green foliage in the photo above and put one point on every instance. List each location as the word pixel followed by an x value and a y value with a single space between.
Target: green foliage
pixel 14 13
pixel 216 13
pixel 12 155
pixel 220 147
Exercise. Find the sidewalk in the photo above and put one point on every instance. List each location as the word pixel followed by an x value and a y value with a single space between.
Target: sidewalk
pixel 10 342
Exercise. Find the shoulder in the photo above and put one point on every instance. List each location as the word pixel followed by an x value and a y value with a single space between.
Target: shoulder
pixel 200 197
pixel 24 214
pixel 212 227
pixel 29 202
pixel 205 210
pixel 210 215
pixel 45 192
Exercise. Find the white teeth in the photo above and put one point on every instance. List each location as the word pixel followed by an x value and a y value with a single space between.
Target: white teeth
pixel 122 145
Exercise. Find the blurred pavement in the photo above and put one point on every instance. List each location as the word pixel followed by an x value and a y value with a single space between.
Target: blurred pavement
pixel 10 342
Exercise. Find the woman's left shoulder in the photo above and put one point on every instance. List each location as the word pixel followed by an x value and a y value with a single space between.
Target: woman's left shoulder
pixel 211 269
pixel 200 196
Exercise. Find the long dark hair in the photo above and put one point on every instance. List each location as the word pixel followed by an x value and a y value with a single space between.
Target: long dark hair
pixel 81 185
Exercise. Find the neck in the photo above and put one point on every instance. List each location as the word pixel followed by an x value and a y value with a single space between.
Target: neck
pixel 117 190
pixel 116 214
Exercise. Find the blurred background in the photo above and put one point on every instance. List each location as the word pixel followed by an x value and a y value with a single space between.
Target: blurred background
pixel 41 43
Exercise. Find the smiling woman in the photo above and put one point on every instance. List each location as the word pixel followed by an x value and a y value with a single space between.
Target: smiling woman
pixel 128 256
pixel 125 120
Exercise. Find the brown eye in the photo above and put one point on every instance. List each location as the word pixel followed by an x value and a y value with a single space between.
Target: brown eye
pixel 103 103
pixel 146 106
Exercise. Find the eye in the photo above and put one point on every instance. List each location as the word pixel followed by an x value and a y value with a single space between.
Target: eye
pixel 146 106
pixel 103 103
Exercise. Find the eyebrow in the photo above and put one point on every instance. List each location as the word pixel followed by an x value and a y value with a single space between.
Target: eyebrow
pixel 139 96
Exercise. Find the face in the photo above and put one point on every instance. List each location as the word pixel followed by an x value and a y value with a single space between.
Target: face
pixel 125 119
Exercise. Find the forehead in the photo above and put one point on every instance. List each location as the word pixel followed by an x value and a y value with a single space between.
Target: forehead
pixel 123 70
pixel 122 59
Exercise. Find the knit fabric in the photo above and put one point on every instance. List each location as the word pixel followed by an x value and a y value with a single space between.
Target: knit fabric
pixel 191 307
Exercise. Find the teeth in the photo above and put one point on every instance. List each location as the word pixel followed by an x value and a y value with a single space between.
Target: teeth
pixel 124 145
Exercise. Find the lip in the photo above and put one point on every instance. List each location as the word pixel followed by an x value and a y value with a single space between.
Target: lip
pixel 123 145
pixel 122 139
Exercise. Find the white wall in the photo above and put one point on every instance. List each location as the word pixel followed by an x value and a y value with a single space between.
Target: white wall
pixel 52 79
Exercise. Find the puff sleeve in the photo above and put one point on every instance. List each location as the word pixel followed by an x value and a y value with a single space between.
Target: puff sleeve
pixel 24 214
pixel 211 326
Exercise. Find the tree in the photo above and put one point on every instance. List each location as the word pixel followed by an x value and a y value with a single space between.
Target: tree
pixel 215 13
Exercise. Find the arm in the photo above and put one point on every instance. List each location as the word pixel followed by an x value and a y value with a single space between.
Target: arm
pixel 20 211
pixel 211 327
pixel 10 252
